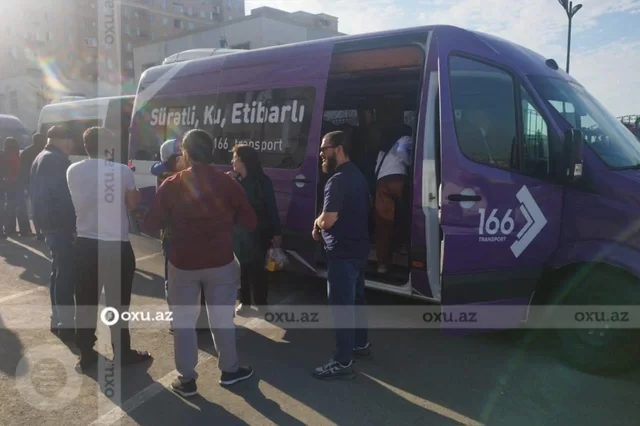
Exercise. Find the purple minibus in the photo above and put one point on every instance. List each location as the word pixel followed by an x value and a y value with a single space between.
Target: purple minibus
pixel 525 189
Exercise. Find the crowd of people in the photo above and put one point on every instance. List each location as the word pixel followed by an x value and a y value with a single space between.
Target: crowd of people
pixel 215 230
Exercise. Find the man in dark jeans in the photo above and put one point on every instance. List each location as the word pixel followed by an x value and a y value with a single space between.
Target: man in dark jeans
pixel 344 227
pixel 27 157
pixel 54 212
pixel 103 191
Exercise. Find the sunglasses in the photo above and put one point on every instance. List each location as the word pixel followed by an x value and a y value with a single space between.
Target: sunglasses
pixel 324 148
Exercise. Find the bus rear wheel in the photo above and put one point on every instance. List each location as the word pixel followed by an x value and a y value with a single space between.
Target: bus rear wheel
pixel 602 341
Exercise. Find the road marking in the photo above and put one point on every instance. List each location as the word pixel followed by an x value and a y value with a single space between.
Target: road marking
pixel 21 294
pixel 36 290
pixel 29 248
pixel 152 390
pixel 429 405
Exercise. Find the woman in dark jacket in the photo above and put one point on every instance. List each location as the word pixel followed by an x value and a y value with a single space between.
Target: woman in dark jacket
pixel 15 190
pixel 251 247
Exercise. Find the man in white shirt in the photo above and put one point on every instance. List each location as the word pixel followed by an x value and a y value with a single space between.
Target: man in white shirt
pixel 102 192
pixel 392 167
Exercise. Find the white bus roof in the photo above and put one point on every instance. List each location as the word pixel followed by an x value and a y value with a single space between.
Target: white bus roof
pixel 187 55
pixel 84 109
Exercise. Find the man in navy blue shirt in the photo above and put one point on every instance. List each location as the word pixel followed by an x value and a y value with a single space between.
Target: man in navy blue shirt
pixel 344 228
pixel 54 212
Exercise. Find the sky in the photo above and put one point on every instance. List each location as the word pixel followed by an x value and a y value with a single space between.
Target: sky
pixel 605 45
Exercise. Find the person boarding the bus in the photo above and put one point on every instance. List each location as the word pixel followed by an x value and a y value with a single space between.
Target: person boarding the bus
pixel 171 162
pixel 392 167
pixel 343 225
pixel 103 191
pixel 201 205
pixel 54 212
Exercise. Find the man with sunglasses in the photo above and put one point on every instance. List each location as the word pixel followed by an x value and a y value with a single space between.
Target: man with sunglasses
pixel 343 225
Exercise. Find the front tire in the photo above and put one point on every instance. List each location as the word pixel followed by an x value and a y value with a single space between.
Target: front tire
pixel 606 348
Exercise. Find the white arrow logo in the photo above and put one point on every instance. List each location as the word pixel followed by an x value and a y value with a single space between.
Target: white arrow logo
pixel 535 221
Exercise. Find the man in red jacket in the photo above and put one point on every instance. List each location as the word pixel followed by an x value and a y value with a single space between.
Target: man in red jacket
pixel 201 205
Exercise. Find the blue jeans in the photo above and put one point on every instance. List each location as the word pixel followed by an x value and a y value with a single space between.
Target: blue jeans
pixel 345 290
pixel 61 283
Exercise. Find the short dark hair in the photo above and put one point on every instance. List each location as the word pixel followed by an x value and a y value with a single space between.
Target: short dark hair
pixel 92 137
pixel 39 139
pixel 199 146
pixel 249 156
pixel 11 144
pixel 340 138
pixel 59 132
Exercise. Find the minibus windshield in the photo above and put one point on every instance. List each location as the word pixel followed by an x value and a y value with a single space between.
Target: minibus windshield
pixel 606 135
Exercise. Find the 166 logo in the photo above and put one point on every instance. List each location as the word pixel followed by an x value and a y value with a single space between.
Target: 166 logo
pixel 491 224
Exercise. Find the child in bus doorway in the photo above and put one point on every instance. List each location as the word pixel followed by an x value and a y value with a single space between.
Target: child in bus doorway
pixel 171 162
pixel 250 247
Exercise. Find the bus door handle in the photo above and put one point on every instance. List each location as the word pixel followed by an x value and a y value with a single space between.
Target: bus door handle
pixel 301 181
pixel 458 198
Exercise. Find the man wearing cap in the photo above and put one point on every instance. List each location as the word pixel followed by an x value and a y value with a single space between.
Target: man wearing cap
pixel 171 162
pixel 54 212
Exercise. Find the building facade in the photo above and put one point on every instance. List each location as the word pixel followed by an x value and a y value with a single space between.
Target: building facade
pixel 53 48
pixel 264 27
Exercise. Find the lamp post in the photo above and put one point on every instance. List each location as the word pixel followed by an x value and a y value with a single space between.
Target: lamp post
pixel 571 11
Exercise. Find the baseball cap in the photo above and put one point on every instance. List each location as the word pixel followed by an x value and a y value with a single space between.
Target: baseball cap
pixel 170 148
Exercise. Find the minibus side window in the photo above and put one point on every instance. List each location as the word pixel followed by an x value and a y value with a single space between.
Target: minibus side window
pixel 536 139
pixel 483 99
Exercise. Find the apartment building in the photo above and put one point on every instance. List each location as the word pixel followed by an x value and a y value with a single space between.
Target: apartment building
pixel 53 48
pixel 264 27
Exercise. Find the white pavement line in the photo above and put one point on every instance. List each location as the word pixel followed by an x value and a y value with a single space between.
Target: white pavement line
pixel 140 259
pixel 29 248
pixel 152 390
pixel 22 294
pixel 141 397
pixel 36 290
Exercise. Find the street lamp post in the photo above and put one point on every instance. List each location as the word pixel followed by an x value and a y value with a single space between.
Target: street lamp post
pixel 571 11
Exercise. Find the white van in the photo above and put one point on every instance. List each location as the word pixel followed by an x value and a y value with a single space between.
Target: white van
pixel 114 113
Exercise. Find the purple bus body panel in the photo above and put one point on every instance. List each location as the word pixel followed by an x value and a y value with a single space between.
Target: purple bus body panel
pixel 602 228
pixel 466 249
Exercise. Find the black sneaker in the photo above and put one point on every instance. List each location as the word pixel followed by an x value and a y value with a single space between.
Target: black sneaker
pixel 243 373
pixel 335 370
pixel 185 389
pixel 362 351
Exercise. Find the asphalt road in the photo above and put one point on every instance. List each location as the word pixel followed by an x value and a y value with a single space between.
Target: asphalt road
pixel 416 377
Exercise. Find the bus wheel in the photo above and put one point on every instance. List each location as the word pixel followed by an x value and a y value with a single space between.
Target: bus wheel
pixel 602 341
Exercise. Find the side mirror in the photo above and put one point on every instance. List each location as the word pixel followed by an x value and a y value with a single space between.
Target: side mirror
pixel 573 143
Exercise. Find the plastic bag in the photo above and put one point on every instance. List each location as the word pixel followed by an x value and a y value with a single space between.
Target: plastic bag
pixel 276 259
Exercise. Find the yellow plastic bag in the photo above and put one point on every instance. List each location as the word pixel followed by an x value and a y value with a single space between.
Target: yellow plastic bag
pixel 276 259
